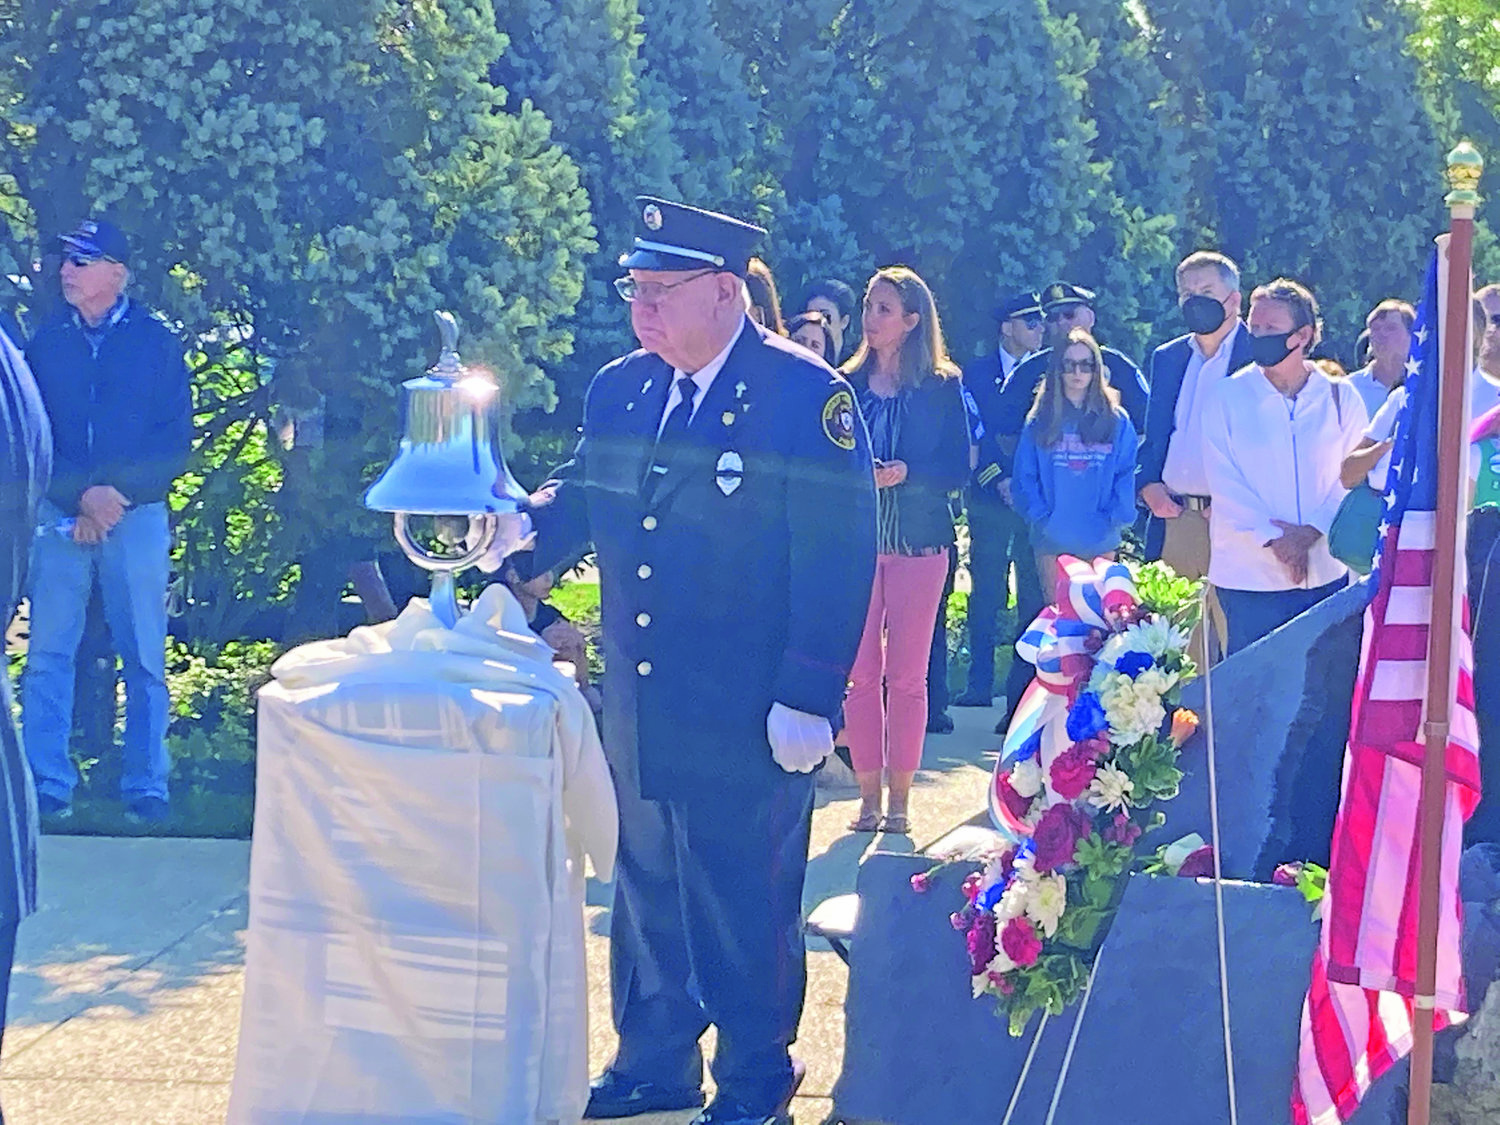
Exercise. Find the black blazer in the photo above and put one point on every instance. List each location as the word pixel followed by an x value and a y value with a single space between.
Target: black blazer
pixel 934 443
pixel 739 579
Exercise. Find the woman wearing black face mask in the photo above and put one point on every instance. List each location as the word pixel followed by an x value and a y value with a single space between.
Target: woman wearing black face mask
pixel 1275 435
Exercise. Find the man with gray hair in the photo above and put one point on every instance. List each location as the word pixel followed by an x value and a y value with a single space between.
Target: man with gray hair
pixel 1171 477
pixel 115 386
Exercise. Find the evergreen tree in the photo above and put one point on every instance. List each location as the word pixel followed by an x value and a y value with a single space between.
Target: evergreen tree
pixel 1142 193
pixel 953 138
pixel 698 81
pixel 578 61
pixel 1456 43
pixel 1312 153
pixel 317 179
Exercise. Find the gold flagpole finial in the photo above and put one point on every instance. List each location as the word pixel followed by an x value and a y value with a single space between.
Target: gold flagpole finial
pixel 1465 166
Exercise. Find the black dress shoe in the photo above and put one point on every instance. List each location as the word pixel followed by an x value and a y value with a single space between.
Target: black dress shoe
pixel 729 1111
pixel 974 699
pixel 619 1095
pixel 939 723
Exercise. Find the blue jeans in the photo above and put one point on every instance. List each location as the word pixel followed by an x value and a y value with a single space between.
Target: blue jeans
pixel 1253 614
pixel 132 565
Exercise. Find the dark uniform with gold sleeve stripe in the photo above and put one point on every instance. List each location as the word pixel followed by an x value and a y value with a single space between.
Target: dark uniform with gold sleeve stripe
pixel 734 577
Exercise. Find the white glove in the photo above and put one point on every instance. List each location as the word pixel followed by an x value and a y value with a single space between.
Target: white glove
pixel 799 741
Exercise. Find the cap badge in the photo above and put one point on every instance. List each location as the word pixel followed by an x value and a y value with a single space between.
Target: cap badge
pixel 651 216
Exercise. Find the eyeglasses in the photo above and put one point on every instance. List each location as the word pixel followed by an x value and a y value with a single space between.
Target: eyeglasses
pixel 81 260
pixel 1057 315
pixel 1033 322
pixel 651 292
pixel 1080 366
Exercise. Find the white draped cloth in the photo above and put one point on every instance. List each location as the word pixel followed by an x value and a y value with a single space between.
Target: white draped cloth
pixel 425 800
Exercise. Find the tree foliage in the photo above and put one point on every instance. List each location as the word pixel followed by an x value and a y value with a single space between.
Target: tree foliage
pixel 308 182
pixel 1328 173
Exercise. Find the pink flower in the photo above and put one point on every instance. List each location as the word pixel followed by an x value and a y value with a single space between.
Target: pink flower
pixel 1015 804
pixel 981 942
pixel 971 885
pixel 921 882
pixel 1020 943
pixel 958 921
pixel 1122 830
pixel 1003 983
pixel 1072 770
pixel 1057 835
pixel 1286 874
pixel 1200 862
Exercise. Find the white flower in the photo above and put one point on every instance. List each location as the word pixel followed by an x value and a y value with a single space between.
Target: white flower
pixel 1013 902
pixel 1133 710
pixel 1026 778
pixel 1001 963
pixel 1047 902
pixel 1109 789
pixel 1156 636
pixel 1156 681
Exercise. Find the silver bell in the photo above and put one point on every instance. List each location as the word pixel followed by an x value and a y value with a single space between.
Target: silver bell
pixel 450 466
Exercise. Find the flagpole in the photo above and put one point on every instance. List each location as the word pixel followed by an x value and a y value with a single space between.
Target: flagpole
pixel 1464 168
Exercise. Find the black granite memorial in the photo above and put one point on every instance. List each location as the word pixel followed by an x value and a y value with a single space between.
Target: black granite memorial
pixel 920 1050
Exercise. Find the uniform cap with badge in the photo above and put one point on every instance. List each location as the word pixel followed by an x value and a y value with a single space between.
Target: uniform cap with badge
pixel 1061 294
pixel 1021 304
pixel 674 236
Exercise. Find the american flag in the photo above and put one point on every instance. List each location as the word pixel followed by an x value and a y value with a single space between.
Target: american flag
pixel 1357 1020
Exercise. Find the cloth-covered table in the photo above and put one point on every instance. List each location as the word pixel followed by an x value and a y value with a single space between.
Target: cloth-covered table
pixel 425 799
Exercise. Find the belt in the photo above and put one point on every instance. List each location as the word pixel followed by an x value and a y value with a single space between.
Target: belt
pixel 1192 503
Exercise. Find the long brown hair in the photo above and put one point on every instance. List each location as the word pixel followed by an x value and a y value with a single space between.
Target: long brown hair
pixel 1101 405
pixel 923 353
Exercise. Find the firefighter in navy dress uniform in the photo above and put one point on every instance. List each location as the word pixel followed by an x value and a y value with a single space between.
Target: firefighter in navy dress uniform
pixel 724 479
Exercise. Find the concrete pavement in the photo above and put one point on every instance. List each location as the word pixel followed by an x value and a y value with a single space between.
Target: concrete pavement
pixel 125 1000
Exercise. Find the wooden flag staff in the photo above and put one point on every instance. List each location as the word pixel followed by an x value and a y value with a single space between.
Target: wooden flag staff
pixel 1464 168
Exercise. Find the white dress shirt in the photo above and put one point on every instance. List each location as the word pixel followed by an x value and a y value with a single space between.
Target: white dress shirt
pixel 1382 427
pixel 1270 457
pixel 1371 390
pixel 1183 471
pixel 704 377
pixel 1009 363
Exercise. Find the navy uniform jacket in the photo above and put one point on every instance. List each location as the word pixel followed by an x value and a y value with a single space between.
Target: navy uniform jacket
pixel 25 467
pixel 1020 391
pixel 740 580
pixel 1169 363
pixel 984 379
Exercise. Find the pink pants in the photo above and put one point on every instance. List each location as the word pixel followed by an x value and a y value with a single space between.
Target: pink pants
pixel 894 651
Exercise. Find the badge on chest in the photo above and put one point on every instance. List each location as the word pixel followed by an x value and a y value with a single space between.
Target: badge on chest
pixel 729 473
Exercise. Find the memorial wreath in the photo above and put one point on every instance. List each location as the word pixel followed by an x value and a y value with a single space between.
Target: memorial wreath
pixel 1091 753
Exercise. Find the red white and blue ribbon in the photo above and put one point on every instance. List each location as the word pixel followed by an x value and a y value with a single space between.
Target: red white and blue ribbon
pixel 1089 601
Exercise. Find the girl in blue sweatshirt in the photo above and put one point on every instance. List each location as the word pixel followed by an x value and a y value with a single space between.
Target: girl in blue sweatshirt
pixel 1074 480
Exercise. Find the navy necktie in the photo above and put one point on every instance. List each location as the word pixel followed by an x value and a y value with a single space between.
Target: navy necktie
pixel 675 429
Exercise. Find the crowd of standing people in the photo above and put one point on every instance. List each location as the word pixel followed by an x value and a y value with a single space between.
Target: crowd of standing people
pixel 1231 462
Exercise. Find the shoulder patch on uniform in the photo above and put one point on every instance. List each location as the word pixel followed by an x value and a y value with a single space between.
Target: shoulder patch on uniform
pixel 838 419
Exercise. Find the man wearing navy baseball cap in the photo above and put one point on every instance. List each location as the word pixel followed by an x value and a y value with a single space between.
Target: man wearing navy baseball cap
pixel 115 385
pixel 724 479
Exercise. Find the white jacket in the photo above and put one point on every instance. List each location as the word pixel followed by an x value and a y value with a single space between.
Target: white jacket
pixel 1270 457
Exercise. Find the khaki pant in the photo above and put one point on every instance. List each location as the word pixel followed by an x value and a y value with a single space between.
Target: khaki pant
pixel 1186 550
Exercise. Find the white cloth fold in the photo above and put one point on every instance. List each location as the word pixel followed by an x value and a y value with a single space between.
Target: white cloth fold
pixel 799 741
pixel 425 799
